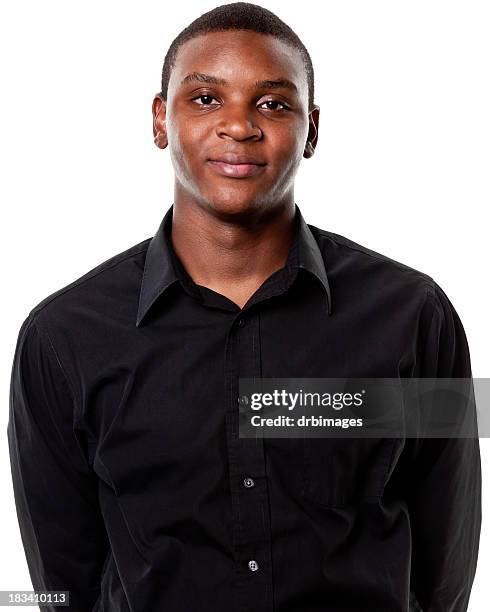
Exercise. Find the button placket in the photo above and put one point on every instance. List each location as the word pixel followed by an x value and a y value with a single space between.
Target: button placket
pixel 247 456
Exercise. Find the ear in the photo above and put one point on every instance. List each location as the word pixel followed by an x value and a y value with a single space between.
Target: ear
pixel 313 123
pixel 159 110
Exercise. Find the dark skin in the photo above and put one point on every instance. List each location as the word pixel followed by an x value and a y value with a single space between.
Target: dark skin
pixel 232 232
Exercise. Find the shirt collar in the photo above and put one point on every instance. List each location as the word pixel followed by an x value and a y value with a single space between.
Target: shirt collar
pixel 160 268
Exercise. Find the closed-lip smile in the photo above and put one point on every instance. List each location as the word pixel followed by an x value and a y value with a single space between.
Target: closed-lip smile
pixel 235 165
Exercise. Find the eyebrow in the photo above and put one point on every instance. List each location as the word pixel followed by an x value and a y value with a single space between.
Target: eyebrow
pixel 266 84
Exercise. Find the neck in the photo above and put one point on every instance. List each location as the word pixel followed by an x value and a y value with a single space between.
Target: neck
pixel 232 256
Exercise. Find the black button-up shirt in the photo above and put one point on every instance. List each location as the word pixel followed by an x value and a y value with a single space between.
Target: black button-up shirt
pixel 135 492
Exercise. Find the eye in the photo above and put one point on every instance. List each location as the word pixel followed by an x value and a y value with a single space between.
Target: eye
pixel 275 102
pixel 205 98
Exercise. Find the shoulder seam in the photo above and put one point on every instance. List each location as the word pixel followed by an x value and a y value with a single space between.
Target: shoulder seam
pixel 431 291
pixel 430 296
pixel 77 410
pixel 43 331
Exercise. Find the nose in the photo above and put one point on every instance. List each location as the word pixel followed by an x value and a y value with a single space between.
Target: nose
pixel 238 123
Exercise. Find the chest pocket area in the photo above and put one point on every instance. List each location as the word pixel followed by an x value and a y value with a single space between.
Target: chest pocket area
pixel 338 472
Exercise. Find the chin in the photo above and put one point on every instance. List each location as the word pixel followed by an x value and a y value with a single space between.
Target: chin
pixel 233 207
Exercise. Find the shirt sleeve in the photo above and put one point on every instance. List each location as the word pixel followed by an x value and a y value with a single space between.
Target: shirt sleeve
pixel 55 491
pixel 444 496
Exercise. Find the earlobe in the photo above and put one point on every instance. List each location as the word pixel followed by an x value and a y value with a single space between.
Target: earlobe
pixel 309 150
pixel 160 140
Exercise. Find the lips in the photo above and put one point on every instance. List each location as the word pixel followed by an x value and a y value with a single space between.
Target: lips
pixel 238 166
pixel 234 158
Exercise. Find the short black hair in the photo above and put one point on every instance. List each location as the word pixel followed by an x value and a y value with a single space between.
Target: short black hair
pixel 239 16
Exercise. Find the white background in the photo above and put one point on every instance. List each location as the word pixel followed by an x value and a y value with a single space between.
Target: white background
pixel 402 164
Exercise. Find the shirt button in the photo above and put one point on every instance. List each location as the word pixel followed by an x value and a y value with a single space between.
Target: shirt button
pixel 243 400
pixel 253 566
pixel 248 482
pixel 241 322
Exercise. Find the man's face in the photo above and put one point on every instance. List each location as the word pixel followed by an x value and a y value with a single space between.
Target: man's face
pixel 236 113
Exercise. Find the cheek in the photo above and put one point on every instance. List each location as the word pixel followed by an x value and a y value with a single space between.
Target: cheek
pixel 288 142
pixel 289 153
pixel 185 147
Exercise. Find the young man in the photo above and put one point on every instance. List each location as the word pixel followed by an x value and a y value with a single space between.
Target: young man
pixel 134 490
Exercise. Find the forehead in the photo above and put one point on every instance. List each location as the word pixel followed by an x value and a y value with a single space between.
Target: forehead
pixel 239 56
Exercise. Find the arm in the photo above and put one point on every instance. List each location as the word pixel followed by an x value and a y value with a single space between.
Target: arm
pixel 55 491
pixel 444 498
